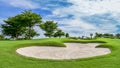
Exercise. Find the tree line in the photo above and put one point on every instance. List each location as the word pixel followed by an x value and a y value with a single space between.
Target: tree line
pixel 22 26
pixel 107 35
pixel 99 35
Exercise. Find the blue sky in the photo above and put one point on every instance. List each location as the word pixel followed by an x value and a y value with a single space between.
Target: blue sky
pixel 77 17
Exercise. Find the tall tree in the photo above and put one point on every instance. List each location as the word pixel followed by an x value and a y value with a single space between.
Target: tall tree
pixel 12 27
pixel 21 23
pixel 49 27
pixel 29 19
pixel 59 33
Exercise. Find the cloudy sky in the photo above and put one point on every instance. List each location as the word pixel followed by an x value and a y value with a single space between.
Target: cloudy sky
pixel 77 17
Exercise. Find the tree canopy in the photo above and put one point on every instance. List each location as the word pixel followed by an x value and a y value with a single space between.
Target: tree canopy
pixel 30 19
pixel 18 25
pixel 22 25
pixel 13 27
pixel 59 33
pixel 49 27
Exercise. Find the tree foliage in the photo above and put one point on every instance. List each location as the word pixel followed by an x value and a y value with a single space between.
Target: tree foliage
pixel 107 35
pixel 13 27
pixel 59 33
pixel 49 27
pixel 98 35
pixel 18 25
pixel 29 20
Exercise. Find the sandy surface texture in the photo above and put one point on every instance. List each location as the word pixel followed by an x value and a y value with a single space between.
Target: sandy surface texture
pixel 71 51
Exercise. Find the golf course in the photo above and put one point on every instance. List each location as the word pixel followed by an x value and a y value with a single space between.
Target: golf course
pixel 59 33
pixel 9 58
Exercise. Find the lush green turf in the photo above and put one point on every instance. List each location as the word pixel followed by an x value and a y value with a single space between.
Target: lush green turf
pixel 10 59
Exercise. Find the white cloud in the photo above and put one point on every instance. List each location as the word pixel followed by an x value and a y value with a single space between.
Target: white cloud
pixel 78 28
pixel 77 23
pixel 82 8
pixel 96 6
pixel 27 4
pixel 89 7
pixel 79 9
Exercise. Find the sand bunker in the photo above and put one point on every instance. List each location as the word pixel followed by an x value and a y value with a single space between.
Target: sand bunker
pixel 71 51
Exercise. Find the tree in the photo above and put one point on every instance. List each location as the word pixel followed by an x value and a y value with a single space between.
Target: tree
pixel 59 33
pixel 49 27
pixel 91 35
pixel 107 35
pixel 98 35
pixel 67 35
pixel 30 19
pixel 12 27
pixel 16 26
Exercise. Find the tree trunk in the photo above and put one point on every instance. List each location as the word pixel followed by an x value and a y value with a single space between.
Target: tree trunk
pixel 16 37
pixel 29 30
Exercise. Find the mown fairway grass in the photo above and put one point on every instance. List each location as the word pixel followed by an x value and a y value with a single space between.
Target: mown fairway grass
pixel 10 59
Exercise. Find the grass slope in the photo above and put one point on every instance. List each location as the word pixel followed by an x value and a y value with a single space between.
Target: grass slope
pixel 9 58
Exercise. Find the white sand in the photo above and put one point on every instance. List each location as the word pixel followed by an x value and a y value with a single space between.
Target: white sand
pixel 72 51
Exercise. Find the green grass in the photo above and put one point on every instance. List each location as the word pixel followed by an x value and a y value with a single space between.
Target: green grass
pixel 10 59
